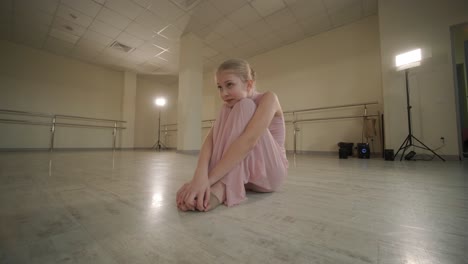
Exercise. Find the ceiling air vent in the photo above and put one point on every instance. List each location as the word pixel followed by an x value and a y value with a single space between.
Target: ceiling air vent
pixel 186 4
pixel 121 47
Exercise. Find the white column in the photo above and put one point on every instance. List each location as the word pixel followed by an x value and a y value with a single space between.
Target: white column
pixel 190 94
pixel 127 138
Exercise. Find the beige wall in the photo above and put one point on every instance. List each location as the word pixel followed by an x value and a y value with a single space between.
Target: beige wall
pixel 338 67
pixel 32 80
pixel 146 120
pixel 405 25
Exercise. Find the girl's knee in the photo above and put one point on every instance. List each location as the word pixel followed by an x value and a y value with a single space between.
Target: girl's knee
pixel 246 104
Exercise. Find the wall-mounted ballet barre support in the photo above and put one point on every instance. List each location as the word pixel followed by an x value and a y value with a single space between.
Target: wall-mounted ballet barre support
pixel 117 124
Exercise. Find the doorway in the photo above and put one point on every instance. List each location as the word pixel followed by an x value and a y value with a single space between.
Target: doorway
pixel 460 60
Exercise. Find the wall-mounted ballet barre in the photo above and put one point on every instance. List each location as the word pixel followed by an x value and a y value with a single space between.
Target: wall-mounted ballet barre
pixel 296 121
pixel 117 124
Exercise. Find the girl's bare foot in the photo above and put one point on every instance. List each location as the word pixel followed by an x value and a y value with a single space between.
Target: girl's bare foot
pixel 218 195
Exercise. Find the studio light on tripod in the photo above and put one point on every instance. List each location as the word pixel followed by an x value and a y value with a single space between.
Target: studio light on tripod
pixel 406 61
pixel 160 102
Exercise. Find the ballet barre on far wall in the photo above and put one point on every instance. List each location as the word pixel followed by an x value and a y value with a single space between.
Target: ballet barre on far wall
pixel 117 124
pixel 167 129
pixel 295 120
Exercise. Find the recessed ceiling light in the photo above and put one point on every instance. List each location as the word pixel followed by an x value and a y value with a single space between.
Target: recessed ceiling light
pixel 122 47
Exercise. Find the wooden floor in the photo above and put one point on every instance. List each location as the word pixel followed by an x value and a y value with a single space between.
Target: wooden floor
pixel 104 207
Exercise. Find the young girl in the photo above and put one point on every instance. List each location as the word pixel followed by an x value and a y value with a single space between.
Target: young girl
pixel 245 147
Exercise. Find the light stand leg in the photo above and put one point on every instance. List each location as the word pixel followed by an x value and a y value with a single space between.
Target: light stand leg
pixel 408 142
pixel 427 148
pixel 159 145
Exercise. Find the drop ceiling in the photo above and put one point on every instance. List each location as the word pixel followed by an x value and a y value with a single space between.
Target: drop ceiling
pixel 143 35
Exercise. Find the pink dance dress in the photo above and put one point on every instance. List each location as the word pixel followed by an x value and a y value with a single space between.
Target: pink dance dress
pixel 264 166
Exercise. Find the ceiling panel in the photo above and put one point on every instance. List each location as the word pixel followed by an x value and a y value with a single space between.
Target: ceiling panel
pixel 130 40
pixel 84 29
pixel 87 7
pixel 90 44
pixel 62 35
pixel 333 5
pixel 100 38
pixel 166 10
pixel 281 19
pixel 267 7
pixel 143 3
pixel 124 7
pixel 346 15
pixel 238 38
pixel 113 18
pixel 171 32
pixel 150 48
pixel 258 29
pixel 67 26
pixel 105 29
pixel 209 52
pixel 244 16
pixel 221 45
pixel 308 9
pixel 228 6
pixel 212 36
pixel 291 33
pixel 152 21
pixel 316 24
pixel 74 16
pixel 140 31
pixel 225 28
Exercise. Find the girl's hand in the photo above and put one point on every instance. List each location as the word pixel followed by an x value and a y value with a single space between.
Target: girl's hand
pixel 197 194
pixel 180 196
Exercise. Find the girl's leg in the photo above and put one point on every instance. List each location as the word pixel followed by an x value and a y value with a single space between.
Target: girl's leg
pixel 269 165
pixel 229 125
pixel 263 169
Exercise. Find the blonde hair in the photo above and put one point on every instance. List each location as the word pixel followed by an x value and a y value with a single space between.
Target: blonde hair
pixel 240 67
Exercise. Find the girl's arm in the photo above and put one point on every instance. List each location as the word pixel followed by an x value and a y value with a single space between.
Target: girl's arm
pixel 239 149
pixel 205 156
pixel 201 172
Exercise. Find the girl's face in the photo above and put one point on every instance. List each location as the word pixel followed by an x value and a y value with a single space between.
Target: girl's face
pixel 232 88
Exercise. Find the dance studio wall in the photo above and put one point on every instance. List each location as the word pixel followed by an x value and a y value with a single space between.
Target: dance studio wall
pixel 405 25
pixel 341 66
pixel 38 81
pixel 147 114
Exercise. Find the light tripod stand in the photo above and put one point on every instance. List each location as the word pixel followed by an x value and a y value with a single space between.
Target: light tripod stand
pixel 408 142
pixel 160 102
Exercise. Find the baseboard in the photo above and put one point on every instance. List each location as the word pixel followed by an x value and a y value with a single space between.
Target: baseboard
pixel 78 149
pixel 189 152
pixel 312 152
pixel 325 153
pixel 23 149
